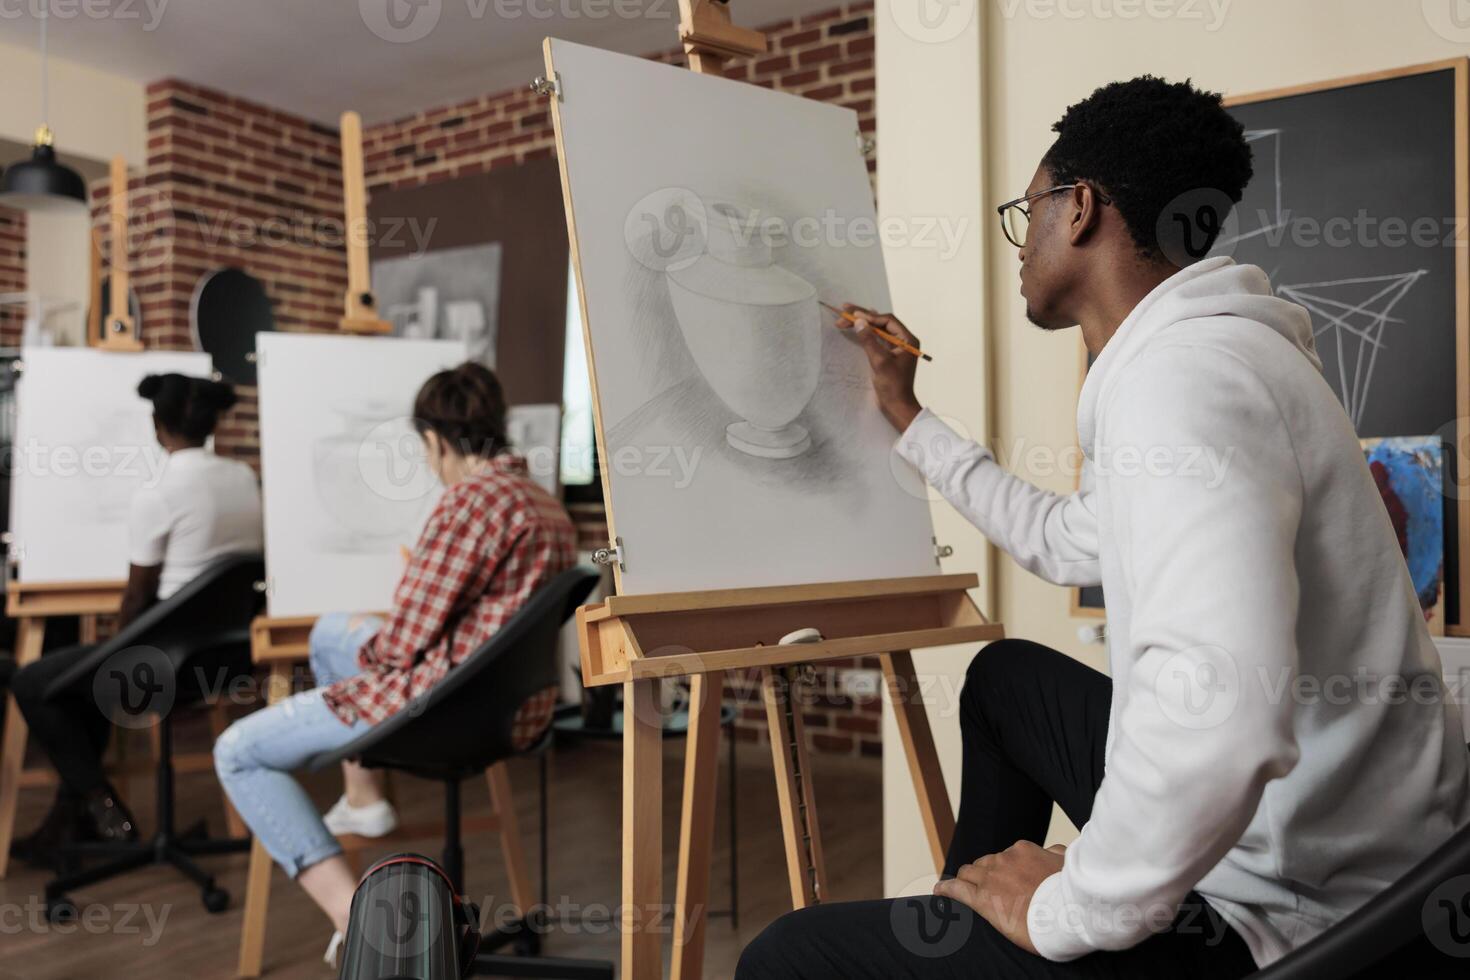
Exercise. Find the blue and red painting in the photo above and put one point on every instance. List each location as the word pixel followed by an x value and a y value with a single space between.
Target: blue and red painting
pixel 1409 471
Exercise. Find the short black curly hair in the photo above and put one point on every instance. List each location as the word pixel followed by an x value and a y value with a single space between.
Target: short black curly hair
pixel 1146 142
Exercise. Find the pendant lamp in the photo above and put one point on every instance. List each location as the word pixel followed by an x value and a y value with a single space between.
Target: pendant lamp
pixel 42 182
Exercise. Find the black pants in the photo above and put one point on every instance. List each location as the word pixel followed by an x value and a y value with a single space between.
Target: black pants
pixel 1034 723
pixel 71 728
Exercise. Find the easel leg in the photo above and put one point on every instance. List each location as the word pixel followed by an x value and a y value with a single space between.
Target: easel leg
pixel 642 830
pixel 697 823
pixel 258 878
pixel 918 748
pixel 512 847
pixel 219 720
pixel 30 634
pixel 805 866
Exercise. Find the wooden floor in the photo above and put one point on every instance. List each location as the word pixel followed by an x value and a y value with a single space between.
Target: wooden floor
pixel 151 924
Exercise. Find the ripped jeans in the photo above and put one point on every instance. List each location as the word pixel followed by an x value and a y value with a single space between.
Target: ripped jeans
pixel 255 756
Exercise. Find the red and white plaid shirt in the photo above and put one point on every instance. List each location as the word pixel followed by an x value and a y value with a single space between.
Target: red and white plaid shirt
pixel 493 540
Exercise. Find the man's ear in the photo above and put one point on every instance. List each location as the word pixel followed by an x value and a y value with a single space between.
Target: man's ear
pixel 1086 213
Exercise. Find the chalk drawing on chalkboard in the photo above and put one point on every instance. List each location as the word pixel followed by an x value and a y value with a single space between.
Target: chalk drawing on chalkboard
pixel 1266 150
pixel 1357 313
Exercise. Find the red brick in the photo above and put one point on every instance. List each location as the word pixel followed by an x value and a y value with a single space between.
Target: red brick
pixel 798 39
pixel 850 67
pixel 833 743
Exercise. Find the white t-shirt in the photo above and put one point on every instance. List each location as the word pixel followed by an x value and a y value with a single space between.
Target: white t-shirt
pixel 203 508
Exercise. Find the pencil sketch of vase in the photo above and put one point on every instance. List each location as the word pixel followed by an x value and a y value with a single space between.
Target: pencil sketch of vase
pixel 754 331
pixel 364 479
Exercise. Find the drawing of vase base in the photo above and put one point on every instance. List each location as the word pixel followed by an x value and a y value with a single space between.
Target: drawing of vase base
pixel 783 443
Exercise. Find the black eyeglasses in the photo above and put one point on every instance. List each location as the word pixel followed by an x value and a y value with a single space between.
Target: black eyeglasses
pixel 1015 216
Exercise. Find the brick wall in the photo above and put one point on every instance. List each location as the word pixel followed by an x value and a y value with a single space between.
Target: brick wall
pixel 12 273
pixel 826 56
pixel 232 183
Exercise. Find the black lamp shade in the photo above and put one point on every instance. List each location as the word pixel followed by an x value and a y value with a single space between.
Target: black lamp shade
pixel 41 182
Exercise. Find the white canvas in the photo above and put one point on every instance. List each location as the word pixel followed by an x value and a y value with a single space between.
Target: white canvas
pixel 345 480
pixel 84 443
pixel 535 433
pixel 742 439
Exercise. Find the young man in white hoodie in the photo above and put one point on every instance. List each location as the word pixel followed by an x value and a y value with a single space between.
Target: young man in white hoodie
pixel 1273 746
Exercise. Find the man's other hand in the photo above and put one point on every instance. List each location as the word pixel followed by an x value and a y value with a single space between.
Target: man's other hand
pixel 998 887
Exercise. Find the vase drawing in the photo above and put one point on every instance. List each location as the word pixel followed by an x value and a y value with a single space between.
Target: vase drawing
pixel 369 477
pixel 754 331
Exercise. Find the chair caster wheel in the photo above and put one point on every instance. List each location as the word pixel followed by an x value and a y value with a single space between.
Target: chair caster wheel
pixel 61 910
pixel 216 900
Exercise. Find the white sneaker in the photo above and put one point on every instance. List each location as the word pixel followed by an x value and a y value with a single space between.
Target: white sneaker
pixel 374 820
pixel 332 949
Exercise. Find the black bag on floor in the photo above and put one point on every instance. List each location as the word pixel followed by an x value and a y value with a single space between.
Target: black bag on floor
pixel 407 923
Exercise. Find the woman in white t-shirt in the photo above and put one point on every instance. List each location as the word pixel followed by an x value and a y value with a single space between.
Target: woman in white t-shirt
pixel 201 508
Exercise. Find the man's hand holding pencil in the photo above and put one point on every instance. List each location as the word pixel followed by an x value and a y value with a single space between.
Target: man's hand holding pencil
pixel 893 354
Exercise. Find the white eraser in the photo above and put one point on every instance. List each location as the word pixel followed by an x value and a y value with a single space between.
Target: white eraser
pixel 805 635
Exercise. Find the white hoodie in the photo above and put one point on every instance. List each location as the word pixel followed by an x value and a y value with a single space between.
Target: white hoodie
pixel 1279 739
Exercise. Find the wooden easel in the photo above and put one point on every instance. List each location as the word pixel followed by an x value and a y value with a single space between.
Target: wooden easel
pixel 118 332
pixel 360 306
pixel 30 605
pixel 280 643
pixel 640 640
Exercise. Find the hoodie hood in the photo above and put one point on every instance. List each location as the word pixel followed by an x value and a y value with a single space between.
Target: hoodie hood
pixel 1213 287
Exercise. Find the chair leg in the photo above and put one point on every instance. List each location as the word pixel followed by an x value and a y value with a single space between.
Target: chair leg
pixel 453 856
pixel 545 840
pixel 165 847
pixel 511 845
pixel 218 722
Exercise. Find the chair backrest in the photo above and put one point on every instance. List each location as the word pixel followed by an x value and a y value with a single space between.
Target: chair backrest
pixel 206 620
pixel 1418 927
pixel 465 722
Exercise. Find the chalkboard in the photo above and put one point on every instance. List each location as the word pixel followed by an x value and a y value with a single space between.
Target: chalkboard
pixel 1358 200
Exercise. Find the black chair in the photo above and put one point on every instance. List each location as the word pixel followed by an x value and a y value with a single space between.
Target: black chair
pixel 194 642
pixel 464 725
pixel 1418 928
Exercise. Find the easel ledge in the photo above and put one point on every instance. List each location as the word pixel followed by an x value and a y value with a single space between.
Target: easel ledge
pixel 640 637
pixel 88 598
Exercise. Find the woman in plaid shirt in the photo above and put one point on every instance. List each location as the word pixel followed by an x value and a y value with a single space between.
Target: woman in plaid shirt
pixel 494 538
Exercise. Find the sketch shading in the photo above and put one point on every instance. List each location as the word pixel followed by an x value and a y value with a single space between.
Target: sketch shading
pixel 373 447
pixel 740 437
pixel 450 293
pixel 754 330
pixel 1409 472
pixel 1356 313
pixel 345 480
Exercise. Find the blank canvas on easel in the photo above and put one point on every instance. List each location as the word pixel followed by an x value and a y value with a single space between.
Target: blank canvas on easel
pixel 84 444
pixel 741 439
pixel 343 472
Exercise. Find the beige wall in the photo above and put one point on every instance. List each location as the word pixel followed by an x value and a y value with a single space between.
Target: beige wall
pixel 95 115
pixel 931 172
pixel 1036 58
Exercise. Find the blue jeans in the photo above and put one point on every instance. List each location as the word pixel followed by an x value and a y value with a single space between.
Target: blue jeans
pixel 255 756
